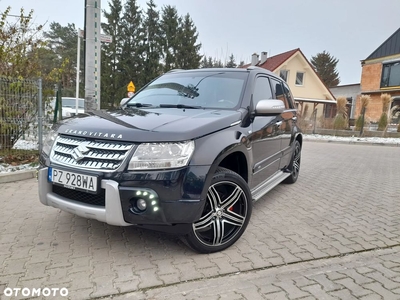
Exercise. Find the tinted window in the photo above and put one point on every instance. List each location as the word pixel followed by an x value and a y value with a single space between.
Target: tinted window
pixel 391 75
pixel 289 96
pixel 279 93
pixel 262 90
pixel 206 89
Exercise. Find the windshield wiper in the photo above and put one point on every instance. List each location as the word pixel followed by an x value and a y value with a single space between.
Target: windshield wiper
pixel 138 105
pixel 180 106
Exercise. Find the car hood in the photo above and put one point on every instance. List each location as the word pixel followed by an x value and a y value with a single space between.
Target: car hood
pixel 149 125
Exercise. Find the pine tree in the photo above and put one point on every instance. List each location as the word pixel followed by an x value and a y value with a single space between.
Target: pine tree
pixel 170 31
pixel 231 63
pixel 153 43
pixel 133 39
pixel 217 63
pixel 206 62
pixel 113 87
pixel 325 65
pixel 210 62
pixel 63 41
pixel 188 54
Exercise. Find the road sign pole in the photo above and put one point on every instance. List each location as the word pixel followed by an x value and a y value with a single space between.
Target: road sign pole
pixel 78 67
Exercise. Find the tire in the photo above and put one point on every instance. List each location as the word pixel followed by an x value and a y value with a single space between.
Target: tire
pixel 294 164
pixel 226 213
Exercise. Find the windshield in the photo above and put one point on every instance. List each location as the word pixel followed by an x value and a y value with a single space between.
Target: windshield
pixel 200 89
pixel 72 103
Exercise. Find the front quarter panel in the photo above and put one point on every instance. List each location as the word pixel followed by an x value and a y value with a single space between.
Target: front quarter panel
pixel 212 149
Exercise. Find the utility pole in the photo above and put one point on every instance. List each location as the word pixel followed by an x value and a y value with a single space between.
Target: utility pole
pixel 78 67
pixel 92 54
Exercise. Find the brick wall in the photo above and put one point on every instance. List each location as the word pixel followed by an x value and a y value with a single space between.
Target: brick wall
pixel 371 77
pixel 374 109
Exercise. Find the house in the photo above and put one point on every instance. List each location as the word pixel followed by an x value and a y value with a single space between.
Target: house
pixel 381 74
pixel 351 92
pixel 306 86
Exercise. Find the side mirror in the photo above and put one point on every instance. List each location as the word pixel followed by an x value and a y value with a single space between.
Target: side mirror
pixel 269 108
pixel 123 101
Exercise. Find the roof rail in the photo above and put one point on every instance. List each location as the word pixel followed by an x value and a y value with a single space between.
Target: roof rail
pixel 174 70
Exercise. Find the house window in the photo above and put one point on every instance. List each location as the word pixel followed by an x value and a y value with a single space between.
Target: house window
pixel 391 74
pixel 284 74
pixel 299 78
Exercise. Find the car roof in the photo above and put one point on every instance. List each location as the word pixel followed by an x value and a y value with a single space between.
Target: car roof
pixel 239 70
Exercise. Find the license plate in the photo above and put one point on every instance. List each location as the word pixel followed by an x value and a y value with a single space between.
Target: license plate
pixel 72 180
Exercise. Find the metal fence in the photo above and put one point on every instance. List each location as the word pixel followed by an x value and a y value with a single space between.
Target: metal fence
pixel 21 116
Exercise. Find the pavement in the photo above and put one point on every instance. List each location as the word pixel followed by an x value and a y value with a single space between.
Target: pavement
pixel 335 234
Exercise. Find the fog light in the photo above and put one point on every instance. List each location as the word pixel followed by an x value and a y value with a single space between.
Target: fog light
pixel 141 204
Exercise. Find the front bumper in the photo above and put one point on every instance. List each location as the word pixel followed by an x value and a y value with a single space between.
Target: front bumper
pixel 179 198
pixel 111 213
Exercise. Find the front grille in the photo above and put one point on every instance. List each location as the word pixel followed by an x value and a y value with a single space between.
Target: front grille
pixel 93 199
pixel 89 154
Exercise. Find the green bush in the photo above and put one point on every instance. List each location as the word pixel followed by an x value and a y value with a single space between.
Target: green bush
pixel 340 123
pixel 359 123
pixel 383 121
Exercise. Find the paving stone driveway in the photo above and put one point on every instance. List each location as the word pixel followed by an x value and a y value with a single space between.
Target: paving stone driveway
pixel 345 201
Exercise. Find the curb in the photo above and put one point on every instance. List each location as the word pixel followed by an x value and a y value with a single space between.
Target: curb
pixel 17 176
pixel 353 143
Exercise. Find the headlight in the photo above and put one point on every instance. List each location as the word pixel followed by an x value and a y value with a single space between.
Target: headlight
pixel 150 156
pixel 49 141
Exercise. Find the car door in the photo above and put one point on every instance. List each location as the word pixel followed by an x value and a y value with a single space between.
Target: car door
pixel 282 92
pixel 265 139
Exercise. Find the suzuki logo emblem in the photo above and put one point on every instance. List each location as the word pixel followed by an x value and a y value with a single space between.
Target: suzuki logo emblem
pixel 79 152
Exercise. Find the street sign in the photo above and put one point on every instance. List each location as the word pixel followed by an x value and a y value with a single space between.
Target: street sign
pixel 130 94
pixel 104 38
pixel 131 87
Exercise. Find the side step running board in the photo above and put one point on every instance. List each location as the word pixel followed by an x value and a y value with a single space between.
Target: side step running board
pixel 264 188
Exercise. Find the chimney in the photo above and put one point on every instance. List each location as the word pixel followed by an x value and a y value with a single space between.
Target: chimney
pixel 254 59
pixel 264 56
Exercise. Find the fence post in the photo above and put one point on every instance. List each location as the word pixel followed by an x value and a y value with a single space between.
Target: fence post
pixel 40 115
pixel 315 120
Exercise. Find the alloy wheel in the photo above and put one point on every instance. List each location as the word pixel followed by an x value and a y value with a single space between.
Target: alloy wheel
pixel 224 214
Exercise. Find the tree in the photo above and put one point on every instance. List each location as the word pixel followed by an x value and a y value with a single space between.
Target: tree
pixel 170 30
pixel 19 44
pixel 231 63
pixel 189 57
pixel 112 83
pixel 153 44
pixel 206 62
pixel 19 64
pixel 217 63
pixel 133 39
pixel 325 65
pixel 62 40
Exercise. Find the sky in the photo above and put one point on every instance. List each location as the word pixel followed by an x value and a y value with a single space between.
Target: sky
pixel 350 30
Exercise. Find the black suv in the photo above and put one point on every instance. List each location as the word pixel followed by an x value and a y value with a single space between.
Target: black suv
pixel 187 154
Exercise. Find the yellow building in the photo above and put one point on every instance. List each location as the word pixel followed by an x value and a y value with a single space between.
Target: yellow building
pixel 306 86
